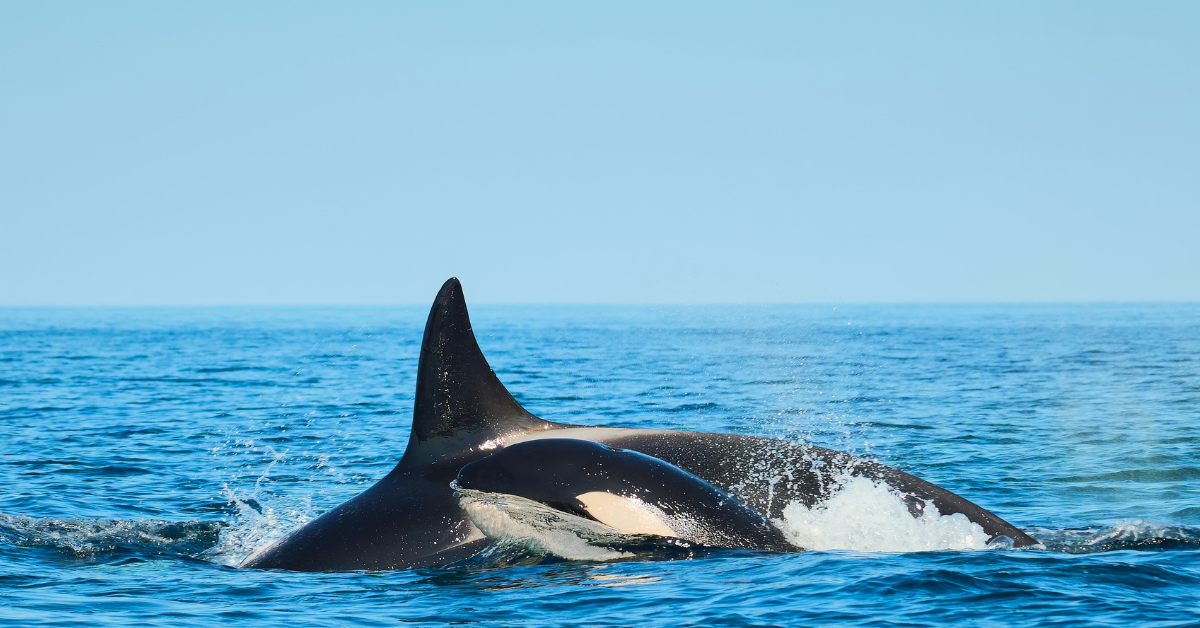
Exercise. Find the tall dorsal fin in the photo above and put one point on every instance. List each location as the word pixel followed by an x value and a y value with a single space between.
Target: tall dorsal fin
pixel 460 402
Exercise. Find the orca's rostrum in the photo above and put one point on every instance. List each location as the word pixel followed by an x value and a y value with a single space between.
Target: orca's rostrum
pixel 412 517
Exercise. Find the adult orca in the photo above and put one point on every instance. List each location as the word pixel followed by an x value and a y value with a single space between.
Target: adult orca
pixel 462 413
pixel 625 490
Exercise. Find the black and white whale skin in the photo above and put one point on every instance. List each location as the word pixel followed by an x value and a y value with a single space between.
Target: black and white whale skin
pixel 462 413
pixel 625 490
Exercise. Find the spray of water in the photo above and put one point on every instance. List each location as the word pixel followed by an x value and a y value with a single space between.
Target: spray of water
pixel 870 516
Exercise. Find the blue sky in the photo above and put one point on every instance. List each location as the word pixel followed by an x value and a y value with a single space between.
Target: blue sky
pixel 313 153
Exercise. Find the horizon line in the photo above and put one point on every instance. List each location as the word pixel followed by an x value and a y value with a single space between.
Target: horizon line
pixel 589 304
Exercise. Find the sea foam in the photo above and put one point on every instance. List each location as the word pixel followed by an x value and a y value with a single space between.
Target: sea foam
pixel 870 516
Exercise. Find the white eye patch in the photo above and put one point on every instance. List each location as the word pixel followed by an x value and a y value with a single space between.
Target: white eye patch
pixel 628 515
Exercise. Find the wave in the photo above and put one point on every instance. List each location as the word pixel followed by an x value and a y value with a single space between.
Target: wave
pixel 88 539
pixel 1136 476
pixel 861 516
pixel 252 527
pixel 1128 535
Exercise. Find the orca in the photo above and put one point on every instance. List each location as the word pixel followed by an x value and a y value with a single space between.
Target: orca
pixel 626 490
pixel 411 517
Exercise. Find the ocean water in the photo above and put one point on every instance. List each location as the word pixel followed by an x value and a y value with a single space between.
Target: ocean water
pixel 145 452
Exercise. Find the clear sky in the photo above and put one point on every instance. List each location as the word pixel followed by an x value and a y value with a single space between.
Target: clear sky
pixel 312 153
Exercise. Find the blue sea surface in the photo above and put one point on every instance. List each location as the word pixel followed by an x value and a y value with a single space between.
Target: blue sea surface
pixel 145 452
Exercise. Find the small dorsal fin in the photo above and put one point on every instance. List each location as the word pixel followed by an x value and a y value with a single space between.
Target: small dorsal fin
pixel 460 402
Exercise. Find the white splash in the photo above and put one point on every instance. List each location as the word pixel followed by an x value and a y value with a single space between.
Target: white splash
pixel 868 516
pixel 255 528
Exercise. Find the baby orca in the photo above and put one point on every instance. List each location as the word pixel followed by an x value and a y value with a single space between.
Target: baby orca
pixel 623 489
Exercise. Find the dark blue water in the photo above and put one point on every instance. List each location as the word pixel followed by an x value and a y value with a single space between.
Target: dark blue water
pixel 145 451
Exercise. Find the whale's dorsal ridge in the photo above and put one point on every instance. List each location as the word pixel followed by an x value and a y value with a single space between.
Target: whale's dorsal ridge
pixel 460 403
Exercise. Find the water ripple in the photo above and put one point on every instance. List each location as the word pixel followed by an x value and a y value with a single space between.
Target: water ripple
pixel 147 450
